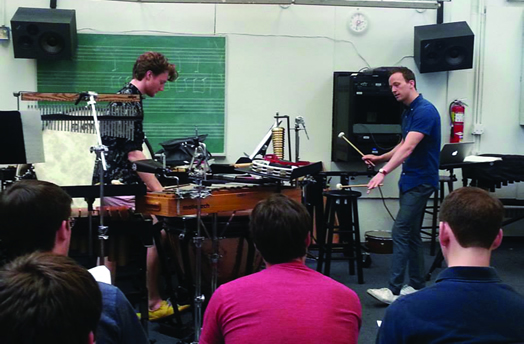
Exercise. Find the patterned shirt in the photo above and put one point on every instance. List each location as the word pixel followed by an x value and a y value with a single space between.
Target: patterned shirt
pixel 118 166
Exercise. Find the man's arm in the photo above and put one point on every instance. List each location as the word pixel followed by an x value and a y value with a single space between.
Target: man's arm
pixel 381 158
pixel 401 153
pixel 149 179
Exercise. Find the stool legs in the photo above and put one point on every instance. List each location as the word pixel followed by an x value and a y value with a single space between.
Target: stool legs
pixel 321 237
pixel 328 246
pixel 346 211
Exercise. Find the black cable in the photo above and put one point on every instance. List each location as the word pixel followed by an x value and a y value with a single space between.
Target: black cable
pixel 384 202
pixel 375 142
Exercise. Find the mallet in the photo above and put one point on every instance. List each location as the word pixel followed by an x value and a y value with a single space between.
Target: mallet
pixel 342 135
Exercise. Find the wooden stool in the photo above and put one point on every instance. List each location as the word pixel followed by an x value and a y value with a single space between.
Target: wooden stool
pixel 342 204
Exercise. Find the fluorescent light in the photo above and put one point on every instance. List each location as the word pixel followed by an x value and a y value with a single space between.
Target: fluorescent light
pixel 418 4
pixel 372 3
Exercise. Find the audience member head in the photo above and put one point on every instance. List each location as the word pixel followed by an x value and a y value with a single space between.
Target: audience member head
pixel 33 214
pixel 48 298
pixel 406 73
pixel 280 229
pixel 156 63
pixel 474 216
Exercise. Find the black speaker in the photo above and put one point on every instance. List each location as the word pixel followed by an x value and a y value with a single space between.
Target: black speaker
pixel 42 33
pixel 443 47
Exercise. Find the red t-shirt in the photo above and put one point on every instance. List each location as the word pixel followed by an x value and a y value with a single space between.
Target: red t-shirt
pixel 285 303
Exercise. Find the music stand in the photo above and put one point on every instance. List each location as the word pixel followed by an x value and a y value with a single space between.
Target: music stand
pixel 21 137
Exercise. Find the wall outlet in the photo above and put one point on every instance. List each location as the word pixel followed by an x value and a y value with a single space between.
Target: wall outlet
pixel 4 33
pixel 478 129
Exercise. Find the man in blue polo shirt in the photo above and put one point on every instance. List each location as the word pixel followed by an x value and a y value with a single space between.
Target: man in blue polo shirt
pixel 468 302
pixel 418 153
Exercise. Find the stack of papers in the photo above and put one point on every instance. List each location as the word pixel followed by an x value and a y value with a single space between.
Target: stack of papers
pixel 478 158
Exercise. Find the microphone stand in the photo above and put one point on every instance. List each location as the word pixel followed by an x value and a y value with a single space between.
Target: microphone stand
pixel 299 120
pixel 198 168
pixel 99 150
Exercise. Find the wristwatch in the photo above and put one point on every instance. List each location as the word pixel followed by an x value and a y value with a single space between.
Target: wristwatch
pixel 383 171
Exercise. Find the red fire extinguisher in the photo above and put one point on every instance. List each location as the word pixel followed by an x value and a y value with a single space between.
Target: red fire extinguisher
pixel 456 113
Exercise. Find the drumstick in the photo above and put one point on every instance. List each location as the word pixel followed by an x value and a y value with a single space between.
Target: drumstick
pixel 340 186
pixel 342 135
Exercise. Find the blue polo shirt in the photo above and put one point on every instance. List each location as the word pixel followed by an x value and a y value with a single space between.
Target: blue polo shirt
pixel 465 305
pixel 421 167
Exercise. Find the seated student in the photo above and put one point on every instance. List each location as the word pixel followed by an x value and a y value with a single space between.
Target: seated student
pixel 287 302
pixel 48 298
pixel 468 303
pixel 34 216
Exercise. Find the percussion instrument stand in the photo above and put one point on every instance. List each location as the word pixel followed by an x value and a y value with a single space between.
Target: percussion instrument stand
pixel 99 150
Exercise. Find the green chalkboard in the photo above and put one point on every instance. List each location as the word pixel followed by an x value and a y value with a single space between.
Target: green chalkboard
pixel 196 100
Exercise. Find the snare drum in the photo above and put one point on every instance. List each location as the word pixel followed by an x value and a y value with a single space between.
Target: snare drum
pixel 379 242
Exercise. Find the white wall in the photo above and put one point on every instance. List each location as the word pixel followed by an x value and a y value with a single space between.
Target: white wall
pixel 282 59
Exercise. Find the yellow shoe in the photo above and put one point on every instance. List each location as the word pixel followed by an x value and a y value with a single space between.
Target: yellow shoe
pixel 165 310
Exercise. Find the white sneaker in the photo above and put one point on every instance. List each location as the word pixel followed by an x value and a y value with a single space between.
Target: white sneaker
pixel 383 295
pixel 407 289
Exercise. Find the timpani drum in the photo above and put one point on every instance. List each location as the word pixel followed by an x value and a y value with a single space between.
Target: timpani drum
pixel 379 242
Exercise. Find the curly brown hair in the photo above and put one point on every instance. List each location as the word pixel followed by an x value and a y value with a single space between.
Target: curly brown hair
pixel 154 62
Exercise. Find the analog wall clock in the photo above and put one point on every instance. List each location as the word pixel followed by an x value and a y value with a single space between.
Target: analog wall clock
pixel 358 23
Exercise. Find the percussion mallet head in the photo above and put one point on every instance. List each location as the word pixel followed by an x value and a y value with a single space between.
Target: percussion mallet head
pixel 341 134
pixel 339 186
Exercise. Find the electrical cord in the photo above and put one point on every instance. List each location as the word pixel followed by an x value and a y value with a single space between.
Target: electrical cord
pixel 385 206
pixel 375 141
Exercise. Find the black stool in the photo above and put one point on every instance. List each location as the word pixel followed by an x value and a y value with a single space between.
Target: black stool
pixel 341 204
pixel 433 209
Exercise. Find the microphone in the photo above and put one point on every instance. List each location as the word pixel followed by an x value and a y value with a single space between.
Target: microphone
pixel 148 166
pixel 300 120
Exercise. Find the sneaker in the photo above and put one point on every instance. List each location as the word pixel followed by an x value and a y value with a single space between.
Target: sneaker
pixel 407 289
pixel 165 310
pixel 383 295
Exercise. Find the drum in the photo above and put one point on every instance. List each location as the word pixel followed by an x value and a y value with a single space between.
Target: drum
pixel 237 254
pixel 379 242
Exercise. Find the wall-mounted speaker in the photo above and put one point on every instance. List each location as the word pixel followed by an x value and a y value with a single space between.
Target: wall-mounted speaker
pixel 42 33
pixel 443 47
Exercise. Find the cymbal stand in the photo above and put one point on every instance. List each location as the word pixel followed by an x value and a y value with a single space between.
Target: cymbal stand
pixel 99 150
pixel 198 169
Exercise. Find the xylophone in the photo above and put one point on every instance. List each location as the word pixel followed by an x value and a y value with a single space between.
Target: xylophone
pixel 225 198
